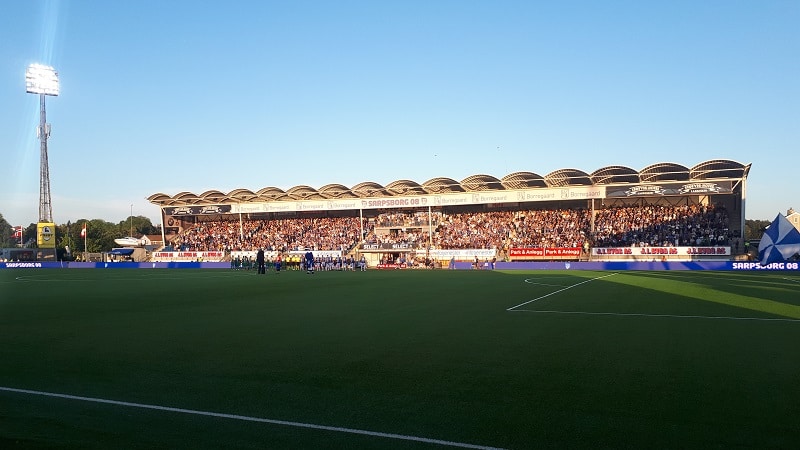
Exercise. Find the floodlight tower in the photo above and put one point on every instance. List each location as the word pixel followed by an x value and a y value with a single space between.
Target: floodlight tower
pixel 43 80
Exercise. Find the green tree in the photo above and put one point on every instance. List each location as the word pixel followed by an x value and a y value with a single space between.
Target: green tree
pixel 29 236
pixel 140 225
pixel 6 233
pixel 68 238
pixel 100 234
pixel 754 229
pixel 99 238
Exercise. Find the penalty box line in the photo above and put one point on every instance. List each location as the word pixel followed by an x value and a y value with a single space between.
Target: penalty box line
pixel 251 419
pixel 561 290
pixel 670 316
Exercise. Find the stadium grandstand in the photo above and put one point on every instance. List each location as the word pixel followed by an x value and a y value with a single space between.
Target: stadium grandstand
pixel 665 211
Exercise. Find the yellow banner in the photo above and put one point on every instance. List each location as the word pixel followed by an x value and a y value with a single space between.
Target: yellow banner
pixel 46 235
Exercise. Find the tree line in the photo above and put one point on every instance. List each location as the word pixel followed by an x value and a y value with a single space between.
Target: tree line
pixel 100 234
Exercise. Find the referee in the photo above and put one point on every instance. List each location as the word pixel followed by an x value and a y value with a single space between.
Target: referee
pixel 262 268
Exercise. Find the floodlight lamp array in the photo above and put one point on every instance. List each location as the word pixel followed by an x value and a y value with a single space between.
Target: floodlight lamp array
pixel 41 79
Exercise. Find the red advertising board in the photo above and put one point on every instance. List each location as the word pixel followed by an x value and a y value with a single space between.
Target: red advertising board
pixel 519 254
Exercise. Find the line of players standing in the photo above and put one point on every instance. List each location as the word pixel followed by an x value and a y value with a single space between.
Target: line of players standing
pixel 307 262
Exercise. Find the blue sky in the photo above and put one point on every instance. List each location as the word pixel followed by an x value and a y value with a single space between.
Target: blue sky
pixel 186 96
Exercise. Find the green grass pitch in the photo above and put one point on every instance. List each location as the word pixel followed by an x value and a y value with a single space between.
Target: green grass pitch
pixel 399 359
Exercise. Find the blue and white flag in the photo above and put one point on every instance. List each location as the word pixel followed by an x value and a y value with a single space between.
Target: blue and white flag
pixel 780 242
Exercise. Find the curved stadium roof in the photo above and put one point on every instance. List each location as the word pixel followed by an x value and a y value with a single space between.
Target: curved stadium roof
pixel 659 172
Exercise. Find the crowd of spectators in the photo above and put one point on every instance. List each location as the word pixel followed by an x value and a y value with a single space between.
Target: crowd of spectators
pixel 325 233
pixel 474 230
pixel 550 228
pixel 499 229
pixel 619 226
pixel 407 219
pixel 213 236
pixel 625 226
pixel 410 237
pixel 661 226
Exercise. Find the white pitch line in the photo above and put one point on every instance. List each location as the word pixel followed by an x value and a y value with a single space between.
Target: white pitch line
pixel 675 316
pixel 791 279
pixel 543 284
pixel 561 290
pixel 253 419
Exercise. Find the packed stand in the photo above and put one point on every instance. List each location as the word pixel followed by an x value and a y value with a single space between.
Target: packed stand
pixel 661 226
pixel 326 233
pixel 647 225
